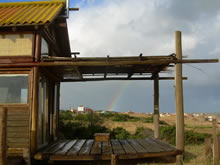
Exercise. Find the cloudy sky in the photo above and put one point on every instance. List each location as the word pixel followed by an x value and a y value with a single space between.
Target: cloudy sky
pixel 131 27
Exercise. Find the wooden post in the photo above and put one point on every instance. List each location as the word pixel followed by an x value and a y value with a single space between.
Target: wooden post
pixel 34 110
pixel 38 46
pixel 179 99
pixel 208 149
pixel 3 136
pixel 114 160
pixel 27 156
pixel 215 144
pixel 156 107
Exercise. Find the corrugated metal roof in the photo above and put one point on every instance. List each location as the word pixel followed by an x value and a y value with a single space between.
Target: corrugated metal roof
pixel 29 13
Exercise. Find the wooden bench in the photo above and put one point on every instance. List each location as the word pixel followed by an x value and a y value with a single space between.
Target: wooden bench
pixel 102 137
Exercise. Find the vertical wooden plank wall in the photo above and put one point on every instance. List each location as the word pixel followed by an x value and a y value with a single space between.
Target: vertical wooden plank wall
pixel 156 107
pixel 3 136
pixel 179 99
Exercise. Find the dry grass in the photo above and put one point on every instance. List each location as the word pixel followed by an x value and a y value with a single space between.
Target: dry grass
pixel 194 154
pixel 129 126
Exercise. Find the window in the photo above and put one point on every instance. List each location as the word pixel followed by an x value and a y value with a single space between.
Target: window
pixel 43 127
pixel 44 48
pixel 16 44
pixel 14 88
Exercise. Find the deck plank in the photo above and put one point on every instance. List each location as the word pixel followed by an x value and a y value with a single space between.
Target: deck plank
pixel 54 147
pixel 87 147
pixel 156 145
pixel 148 146
pixel 66 148
pixel 76 147
pixel 106 150
pixel 167 145
pixel 127 147
pixel 137 146
pixel 96 150
pixel 116 147
pixel 162 147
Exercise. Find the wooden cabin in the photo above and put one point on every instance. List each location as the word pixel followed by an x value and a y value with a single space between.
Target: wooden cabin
pixel 35 58
pixel 30 31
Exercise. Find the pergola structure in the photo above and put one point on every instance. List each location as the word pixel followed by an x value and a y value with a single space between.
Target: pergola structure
pixel 33 101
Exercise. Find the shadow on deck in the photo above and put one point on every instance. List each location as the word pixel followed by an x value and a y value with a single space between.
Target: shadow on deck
pixel 85 150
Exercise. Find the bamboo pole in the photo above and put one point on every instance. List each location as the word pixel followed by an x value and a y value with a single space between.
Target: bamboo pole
pixel 3 136
pixel 34 110
pixel 156 107
pixel 108 63
pixel 215 144
pixel 114 160
pixel 179 99
pixel 111 79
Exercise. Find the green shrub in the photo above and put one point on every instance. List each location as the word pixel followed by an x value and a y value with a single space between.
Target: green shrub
pixel 148 119
pixel 124 117
pixel 66 115
pixel 120 133
pixel 142 132
pixel 168 133
pixel 91 119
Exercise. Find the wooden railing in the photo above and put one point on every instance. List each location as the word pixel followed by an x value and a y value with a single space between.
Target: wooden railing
pixel 3 136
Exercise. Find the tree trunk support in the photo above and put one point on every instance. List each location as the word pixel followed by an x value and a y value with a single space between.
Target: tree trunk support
pixel 179 99
pixel 3 136
pixel 156 107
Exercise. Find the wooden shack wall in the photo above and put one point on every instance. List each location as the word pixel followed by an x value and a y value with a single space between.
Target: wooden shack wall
pixel 19 117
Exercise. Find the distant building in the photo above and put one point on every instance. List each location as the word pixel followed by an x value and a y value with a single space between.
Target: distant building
pixel 81 109
pixel 88 110
pixel 73 110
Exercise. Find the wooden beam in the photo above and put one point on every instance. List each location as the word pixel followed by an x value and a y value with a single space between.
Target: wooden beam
pixel 34 114
pixel 37 47
pixel 112 79
pixel 108 63
pixel 79 73
pixel 3 136
pixel 156 107
pixel 179 99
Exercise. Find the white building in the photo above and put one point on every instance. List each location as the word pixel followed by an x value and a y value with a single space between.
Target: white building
pixel 81 108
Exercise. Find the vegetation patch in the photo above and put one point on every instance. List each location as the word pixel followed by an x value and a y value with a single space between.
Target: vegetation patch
pixel 168 133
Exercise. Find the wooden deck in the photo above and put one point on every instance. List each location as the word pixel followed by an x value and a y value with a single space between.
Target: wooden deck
pixel 125 149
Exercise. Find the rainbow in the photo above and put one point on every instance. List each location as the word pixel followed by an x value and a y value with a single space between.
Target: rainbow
pixel 113 104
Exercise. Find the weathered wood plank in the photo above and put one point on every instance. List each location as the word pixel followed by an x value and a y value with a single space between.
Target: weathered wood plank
pixel 148 146
pixel 116 147
pixel 137 146
pixel 18 129
pixel 3 135
pixel 127 147
pixel 18 145
pixel 66 148
pixel 86 149
pixel 16 113
pixel 106 148
pixel 156 145
pixel 162 147
pixel 19 118
pixel 18 140
pixel 18 123
pixel 53 147
pixel 76 148
pixel 18 135
pixel 169 147
pixel 96 149
pixel 58 147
